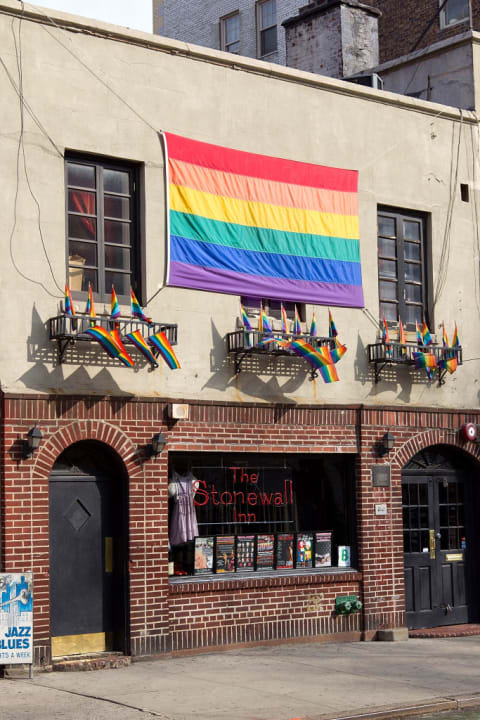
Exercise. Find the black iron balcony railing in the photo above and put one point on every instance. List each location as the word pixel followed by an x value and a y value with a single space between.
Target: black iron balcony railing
pixel 66 330
pixel 242 343
pixel 394 353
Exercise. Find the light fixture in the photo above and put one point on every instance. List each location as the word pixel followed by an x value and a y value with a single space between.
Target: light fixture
pixel 156 446
pixel 32 443
pixel 386 444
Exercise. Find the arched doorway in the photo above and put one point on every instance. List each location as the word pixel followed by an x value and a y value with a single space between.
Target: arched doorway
pixel 440 531
pixel 88 551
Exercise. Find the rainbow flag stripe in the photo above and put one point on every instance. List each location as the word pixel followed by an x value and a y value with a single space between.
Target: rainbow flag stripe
pixel 385 335
pixel 284 319
pixel 160 342
pixel 318 358
pixel 419 334
pixel 297 328
pixel 136 338
pixel 424 360
pixel 69 307
pixel 455 339
pixel 137 310
pixel 427 338
pixel 338 352
pixel 313 326
pixel 444 337
pixel 329 373
pixel 332 330
pixel 114 307
pixel 263 321
pixel 123 354
pixel 105 339
pixel 245 320
pixel 248 224
pixel 90 307
pixel 401 332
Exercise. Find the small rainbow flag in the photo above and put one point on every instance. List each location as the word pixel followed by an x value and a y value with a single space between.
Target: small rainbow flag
pixel 449 364
pixel 69 308
pixel 137 310
pixel 329 373
pixel 136 338
pixel 385 335
pixel 114 307
pixel 332 330
pixel 266 341
pixel 445 337
pixel 123 356
pixel 245 320
pixel 455 340
pixel 424 361
pixel 90 307
pixel 313 326
pixel 160 342
pixel 106 341
pixel 263 321
pixel 427 338
pixel 297 328
pixel 317 358
pixel 401 332
pixel 419 334
pixel 284 318
pixel 339 351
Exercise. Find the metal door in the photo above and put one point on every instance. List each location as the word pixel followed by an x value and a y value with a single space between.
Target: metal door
pixel 81 564
pixel 435 550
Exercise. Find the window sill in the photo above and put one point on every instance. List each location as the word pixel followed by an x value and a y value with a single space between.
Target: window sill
pixel 267 578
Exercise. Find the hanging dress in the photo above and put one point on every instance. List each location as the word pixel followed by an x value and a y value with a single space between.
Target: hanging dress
pixel 183 523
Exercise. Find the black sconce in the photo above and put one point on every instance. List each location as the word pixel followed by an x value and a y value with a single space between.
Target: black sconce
pixel 32 443
pixel 386 444
pixel 156 446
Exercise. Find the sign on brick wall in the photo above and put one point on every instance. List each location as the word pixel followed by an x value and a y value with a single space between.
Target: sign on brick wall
pixel 16 618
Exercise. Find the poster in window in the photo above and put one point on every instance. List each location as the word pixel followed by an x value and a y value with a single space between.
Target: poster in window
pixel 245 553
pixel 284 555
pixel 304 550
pixel 323 549
pixel 225 554
pixel 265 552
pixel 203 562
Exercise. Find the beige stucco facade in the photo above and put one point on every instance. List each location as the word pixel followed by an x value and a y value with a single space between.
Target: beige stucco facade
pixel 107 91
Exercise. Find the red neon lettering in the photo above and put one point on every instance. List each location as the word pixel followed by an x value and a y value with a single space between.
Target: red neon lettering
pixel 202 492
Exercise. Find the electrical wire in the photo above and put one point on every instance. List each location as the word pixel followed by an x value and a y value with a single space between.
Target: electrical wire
pixel 21 149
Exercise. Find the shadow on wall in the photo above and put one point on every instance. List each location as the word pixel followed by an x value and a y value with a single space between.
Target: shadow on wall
pixel 248 382
pixel 43 352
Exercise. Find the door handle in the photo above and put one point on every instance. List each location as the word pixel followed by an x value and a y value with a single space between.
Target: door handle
pixel 432 544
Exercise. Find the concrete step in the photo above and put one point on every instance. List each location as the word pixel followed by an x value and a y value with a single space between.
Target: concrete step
pixel 97 661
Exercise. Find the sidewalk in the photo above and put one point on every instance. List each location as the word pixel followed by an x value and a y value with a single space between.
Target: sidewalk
pixel 307 681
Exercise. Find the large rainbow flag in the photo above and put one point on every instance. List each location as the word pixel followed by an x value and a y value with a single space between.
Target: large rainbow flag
pixel 248 224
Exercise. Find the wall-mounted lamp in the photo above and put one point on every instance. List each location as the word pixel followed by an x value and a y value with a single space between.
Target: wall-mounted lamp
pixel 386 444
pixel 156 446
pixel 32 443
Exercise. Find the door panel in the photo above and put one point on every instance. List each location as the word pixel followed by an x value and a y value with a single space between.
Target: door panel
pixel 80 588
pixel 434 535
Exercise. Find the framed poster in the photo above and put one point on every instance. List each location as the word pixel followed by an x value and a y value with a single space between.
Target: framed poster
pixel 323 549
pixel 284 554
pixel 245 553
pixel 304 550
pixel 265 552
pixel 203 560
pixel 16 618
pixel 225 554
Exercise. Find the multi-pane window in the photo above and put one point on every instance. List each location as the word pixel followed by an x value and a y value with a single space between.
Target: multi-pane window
pixel 230 33
pixel 454 11
pixel 101 232
pixel 271 307
pixel 401 267
pixel 267 27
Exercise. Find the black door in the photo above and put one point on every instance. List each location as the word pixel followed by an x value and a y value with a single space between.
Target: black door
pixel 435 541
pixel 84 582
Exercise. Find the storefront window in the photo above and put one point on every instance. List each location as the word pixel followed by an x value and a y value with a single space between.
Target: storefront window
pixel 233 499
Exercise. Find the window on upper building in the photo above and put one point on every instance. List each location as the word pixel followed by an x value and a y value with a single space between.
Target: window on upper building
pixel 401 267
pixel 230 33
pixel 266 27
pixel 271 307
pixel 455 11
pixel 102 232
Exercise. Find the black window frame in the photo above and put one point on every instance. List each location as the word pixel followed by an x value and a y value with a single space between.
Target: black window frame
pixel 399 216
pixel 101 163
pixel 274 312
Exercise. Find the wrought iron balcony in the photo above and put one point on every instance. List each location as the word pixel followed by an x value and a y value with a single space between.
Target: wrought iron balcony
pixel 394 353
pixel 66 330
pixel 242 343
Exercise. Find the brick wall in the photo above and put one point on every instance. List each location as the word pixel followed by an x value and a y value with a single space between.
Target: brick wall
pixel 126 425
